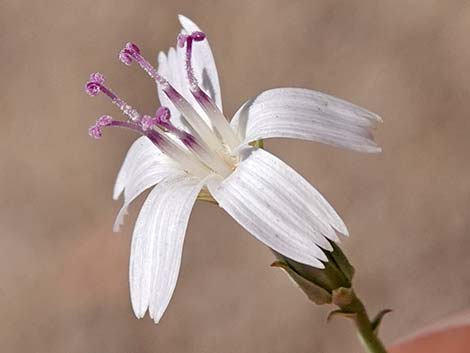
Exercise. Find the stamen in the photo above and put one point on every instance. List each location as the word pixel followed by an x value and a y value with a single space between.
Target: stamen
pixel 96 85
pixel 144 125
pixel 188 40
pixel 132 52
pixel 126 54
pixel 156 128
pixel 147 122
pixel 199 129
pixel 157 137
pixel 149 126
pixel 162 120
pixel 210 108
pixel 95 130
pixel 104 120
pixel 163 115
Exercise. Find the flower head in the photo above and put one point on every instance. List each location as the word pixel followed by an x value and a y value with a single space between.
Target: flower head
pixel 188 148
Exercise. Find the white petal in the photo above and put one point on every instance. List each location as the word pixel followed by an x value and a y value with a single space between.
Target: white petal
pixel 306 114
pixel 141 150
pixel 203 63
pixel 147 174
pixel 157 244
pixel 176 65
pixel 279 207
pixel 168 68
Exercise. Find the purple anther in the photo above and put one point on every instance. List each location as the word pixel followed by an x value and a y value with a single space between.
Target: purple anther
pixel 97 77
pixel 129 53
pixel 95 85
pixel 95 130
pixel 163 115
pixel 92 88
pixel 181 40
pixel 147 122
pixel 104 120
pixel 132 48
pixel 198 36
pixel 162 119
pixel 125 57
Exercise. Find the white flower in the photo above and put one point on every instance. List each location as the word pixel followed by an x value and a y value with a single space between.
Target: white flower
pixel 189 147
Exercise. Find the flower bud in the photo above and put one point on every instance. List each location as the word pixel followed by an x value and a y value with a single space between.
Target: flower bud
pixel 319 284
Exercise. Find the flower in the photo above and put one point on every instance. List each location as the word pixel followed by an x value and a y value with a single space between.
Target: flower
pixel 188 148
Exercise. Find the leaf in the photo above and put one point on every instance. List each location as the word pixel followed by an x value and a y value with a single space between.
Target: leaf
pixel 378 319
pixel 339 312
pixel 342 261
pixel 315 293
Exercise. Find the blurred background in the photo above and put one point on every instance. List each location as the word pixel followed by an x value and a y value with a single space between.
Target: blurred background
pixel 64 274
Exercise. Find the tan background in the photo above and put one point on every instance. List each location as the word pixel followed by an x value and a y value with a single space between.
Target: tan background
pixel 63 272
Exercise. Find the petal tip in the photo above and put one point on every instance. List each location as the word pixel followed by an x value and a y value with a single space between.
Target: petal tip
pixel 138 316
pixel 171 51
pixel 161 57
pixel 378 118
pixel 118 187
pixel 188 24
pixel 119 219
pixel 157 318
pixel 155 314
pixel 184 21
pixel 373 149
pixel 327 246
pixel 318 264
pixel 138 313
pixel 321 256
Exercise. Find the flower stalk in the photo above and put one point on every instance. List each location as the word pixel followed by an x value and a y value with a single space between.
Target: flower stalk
pixel 352 307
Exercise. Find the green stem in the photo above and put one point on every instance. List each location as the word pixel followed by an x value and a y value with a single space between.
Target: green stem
pixel 367 335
